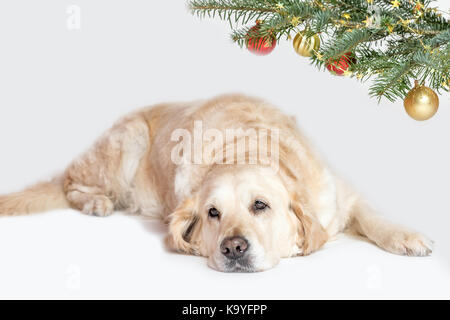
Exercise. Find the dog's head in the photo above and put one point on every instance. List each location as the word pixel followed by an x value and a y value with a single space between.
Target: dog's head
pixel 244 220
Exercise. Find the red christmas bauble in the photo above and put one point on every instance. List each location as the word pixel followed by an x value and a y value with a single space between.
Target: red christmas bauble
pixel 260 45
pixel 342 64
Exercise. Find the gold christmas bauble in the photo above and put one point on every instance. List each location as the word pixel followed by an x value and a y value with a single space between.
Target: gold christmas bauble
pixel 306 46
pixel 421 103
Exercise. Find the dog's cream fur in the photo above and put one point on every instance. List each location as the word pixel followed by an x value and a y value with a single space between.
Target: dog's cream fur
pixel 130 169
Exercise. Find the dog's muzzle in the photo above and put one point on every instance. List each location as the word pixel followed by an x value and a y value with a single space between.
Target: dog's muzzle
pixel 235 251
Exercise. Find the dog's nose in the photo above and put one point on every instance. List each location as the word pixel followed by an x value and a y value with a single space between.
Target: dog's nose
pixel 234 247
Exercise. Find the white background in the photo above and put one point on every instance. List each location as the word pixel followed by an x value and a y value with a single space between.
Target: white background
pixel 61 88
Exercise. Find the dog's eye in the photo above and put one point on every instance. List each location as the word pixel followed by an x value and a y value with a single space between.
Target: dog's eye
pixel 213 213
pixel 259 205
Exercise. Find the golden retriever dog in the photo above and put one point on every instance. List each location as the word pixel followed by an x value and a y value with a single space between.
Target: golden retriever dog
pixel 233 178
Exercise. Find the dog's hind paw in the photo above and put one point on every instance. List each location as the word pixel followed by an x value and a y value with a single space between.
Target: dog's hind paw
pixel 100 206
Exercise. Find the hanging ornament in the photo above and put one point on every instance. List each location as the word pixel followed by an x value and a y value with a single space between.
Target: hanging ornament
pixel 260 45
pixel 341 65
pixel 304 45
pixel 421 103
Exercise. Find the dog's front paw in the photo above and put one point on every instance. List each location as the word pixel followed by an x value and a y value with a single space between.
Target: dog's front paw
pixel 407 243
pixel 99 206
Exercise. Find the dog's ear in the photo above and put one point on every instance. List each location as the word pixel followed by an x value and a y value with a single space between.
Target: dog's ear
pixel 311 234
pixel 184 228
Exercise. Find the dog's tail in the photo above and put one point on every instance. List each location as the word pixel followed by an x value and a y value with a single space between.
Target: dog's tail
pixel 43 196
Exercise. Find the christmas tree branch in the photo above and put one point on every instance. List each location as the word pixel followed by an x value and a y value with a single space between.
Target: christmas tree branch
pixel 395 41
pixel 242 10
pixel 346 43
pixel 395 78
